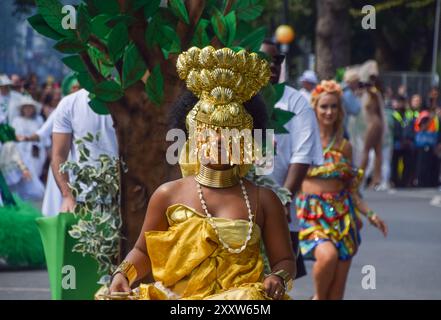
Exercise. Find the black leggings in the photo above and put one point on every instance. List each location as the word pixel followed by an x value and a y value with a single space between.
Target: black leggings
pixel 428 165
pixel 405 179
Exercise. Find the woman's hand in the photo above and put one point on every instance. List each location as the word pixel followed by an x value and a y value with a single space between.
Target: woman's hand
pixel 20 138
pixel 379 223
pixel 68 204
pixel 274 287
pixel 119 284
pixel 27 175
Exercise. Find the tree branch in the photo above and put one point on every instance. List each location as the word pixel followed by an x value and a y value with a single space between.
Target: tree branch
pixel 97 43
pixel 97 76
pixel 228 6
pixel 186 31
pixel 216 43
pixel 136 33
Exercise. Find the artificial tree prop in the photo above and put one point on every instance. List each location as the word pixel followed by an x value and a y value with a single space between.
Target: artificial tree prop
pixel 124 53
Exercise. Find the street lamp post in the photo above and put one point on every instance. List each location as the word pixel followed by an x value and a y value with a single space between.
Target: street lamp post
pixel 435 79
pixel 285 35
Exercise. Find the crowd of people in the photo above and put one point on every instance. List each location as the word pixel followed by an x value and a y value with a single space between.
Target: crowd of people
pixel 415 126
pixel 342 136
pixel 26 106
pixel 402 130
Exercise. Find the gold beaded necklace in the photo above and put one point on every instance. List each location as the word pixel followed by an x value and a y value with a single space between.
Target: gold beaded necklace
pixel 213 223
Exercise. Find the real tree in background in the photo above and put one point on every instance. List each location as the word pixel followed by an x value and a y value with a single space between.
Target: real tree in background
pixel 332 44
pixel 402 40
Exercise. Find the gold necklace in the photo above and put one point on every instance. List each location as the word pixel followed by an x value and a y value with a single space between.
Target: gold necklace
pixel 218 178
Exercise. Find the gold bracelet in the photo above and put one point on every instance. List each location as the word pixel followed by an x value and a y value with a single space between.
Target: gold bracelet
pixel 370 214
pixel 128 270
pixel 285 276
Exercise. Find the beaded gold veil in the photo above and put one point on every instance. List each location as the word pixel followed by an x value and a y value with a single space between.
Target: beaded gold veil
pixel 222 80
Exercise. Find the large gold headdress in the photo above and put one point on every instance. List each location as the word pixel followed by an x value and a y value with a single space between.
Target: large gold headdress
pixel 222 80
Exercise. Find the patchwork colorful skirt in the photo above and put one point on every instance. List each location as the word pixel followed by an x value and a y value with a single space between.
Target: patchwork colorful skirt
pixel 331 217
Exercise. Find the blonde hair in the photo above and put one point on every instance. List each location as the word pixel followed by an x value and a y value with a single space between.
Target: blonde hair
pixel 330 87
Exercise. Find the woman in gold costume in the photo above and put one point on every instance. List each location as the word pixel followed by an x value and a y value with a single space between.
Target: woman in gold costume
pixel 202 233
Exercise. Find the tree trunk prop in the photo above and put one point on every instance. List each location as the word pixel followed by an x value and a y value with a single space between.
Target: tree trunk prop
pixel 124 53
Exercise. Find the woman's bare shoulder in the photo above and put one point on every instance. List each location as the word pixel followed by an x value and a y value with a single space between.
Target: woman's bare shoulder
pixel 170 185
pixel 265 193
pixel 167 190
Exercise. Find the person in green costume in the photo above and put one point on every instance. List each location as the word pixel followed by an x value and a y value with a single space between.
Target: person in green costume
pixel 20 244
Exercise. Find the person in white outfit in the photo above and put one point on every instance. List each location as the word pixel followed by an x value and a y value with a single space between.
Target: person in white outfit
pixel 29 121
pixel 308 80
pixel 74 119
pixel 52 199
pixel 297 150
pixel 32 153
pixel 9 100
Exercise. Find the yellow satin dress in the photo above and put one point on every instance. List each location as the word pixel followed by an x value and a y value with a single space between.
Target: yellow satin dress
pixel 189 262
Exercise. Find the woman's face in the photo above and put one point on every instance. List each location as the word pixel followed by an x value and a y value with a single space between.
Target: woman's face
pixel 75 87
pixel 416 102
pixel 327 109
pixel 28 111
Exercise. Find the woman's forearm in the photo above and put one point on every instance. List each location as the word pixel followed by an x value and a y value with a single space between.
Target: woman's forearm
pixel 140 261
pixel 33 137
pixel 289 265
pixel 296 174
pixel 360 204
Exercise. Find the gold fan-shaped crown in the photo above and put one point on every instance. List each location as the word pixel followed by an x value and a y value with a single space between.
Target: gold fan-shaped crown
pixel 222 80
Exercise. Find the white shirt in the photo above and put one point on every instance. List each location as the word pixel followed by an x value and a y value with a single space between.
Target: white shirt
pixel 305 93
pixel 45 131
pixel 302 144
pixel 73 115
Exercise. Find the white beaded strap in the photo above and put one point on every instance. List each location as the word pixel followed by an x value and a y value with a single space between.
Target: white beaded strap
pixel 213 224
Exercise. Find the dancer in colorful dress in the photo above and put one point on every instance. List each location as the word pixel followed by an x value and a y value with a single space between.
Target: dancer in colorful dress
pixel 329 205
pixel 202 233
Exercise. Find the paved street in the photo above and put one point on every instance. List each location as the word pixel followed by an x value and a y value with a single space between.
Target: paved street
pixel 407 263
